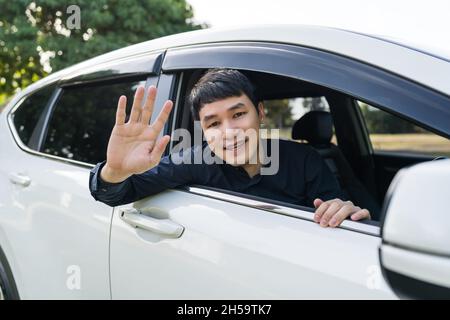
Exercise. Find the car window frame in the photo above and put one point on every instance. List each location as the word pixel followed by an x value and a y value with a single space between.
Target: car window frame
pixel 246 55
pixel 206 56
pixel 368 227
pixel 38 125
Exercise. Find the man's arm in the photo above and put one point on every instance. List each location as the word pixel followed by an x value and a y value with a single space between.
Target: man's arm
pixel 165 175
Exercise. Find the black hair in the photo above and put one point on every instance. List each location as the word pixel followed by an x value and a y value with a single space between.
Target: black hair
pixel 220 83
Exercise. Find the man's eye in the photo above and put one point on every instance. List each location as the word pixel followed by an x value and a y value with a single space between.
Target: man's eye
pixel 214 124
pixel 238 114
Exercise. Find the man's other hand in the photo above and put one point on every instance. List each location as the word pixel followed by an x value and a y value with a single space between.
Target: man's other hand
pixel 331 213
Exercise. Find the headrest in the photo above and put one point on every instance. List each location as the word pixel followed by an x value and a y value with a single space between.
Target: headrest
pixel 316 127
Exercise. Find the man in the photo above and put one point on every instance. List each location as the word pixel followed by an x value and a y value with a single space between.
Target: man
pixel 226 104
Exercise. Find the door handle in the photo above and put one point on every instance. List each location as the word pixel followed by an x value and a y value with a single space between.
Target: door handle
pixel 20 179
pixel 163 227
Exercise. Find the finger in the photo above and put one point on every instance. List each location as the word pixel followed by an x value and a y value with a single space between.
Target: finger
pixel 159 148
pixel 331 211
pixel 147 110
pixel 320 211
pixel 361 214
pixel 137 104
pixel 121 110
pixel 162 117
pixel 342 214
pixel 317 202
pixel 322 208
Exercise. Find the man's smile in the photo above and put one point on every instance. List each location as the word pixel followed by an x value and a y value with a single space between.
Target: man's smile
pixel 236 145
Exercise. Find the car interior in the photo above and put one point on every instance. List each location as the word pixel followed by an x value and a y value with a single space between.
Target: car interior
pixel 363 174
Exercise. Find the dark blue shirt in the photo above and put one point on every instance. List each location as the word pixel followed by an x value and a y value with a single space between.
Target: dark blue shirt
pixel 302 176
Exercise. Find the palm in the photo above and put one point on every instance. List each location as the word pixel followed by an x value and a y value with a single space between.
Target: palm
pixel 133 147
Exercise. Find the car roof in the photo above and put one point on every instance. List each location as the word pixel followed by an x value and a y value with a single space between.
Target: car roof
pixel 440 53
pixel 413 64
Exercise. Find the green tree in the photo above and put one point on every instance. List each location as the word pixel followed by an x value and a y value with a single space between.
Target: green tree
pixel 40 37
pixel 378 121
pixel 278 114
pixel 314 104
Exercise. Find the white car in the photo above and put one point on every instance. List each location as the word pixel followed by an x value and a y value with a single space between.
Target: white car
pixel 196 242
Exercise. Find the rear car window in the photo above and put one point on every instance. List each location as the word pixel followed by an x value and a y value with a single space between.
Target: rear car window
pixel 26 116
pixel 83 119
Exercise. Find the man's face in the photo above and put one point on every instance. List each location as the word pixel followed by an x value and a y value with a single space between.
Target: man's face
pixel 231 128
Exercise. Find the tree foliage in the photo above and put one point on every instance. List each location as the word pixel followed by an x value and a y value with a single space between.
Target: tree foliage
pixel 378 121
pixel 278 113
pixel 38 37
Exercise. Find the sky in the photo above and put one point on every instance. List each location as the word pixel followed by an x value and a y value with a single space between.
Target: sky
pixel 422 22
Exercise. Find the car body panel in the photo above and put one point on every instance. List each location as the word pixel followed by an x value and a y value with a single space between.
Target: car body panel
pixel 232 251
pixel 51 231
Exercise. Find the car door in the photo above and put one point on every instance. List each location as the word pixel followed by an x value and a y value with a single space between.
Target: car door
pixel 233 247
pixel 212 244
pixel 57 237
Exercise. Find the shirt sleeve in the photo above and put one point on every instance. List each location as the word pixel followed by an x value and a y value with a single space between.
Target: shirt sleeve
pixel 166 175
pixel 320 181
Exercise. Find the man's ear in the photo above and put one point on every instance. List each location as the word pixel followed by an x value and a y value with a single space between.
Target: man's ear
pixel 261 113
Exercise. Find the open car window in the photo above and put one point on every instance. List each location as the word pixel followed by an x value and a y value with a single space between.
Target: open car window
pixel 289 102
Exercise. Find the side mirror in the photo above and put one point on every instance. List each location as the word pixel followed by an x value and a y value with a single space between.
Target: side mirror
pixel 415 249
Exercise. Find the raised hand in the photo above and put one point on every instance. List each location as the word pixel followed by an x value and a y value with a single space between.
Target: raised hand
pixel 133 147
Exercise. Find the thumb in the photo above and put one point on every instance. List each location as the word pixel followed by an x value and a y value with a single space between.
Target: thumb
pixel 317 202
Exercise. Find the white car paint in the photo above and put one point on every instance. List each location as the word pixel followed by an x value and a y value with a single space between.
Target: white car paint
pixel 232 251
pixel 411 214
pixel 51 228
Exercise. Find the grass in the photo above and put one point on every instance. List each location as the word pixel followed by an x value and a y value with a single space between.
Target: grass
pixel 414 142
pixel 421 143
